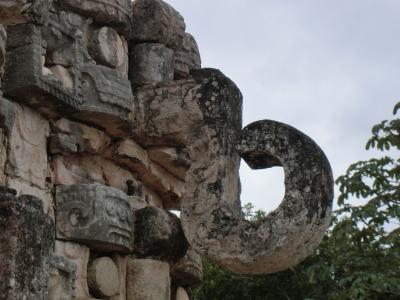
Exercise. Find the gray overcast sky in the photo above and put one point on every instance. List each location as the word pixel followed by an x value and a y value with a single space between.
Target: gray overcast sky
pixel 329 68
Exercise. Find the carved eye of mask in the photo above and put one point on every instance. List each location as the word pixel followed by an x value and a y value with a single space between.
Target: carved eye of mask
pixel 106 47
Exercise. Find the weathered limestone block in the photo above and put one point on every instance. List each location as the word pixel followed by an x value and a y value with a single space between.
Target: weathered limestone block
pixel 211 212
pixel 95 215
pixel 22 11
pixel 58 77
pixel 181 294
pixel 27 136
pixel 174 160
pixel 166 114
pixel 158 22
pixel 62 279
pixel 151 63
pixel 26 244
pixel 115 12
pixel 147 280
pixel 121 262
pixel 187 58
pixel 158 235
pixel 188 272
pixel 3 156
pixel 103 279
pixel 106 47
pixel 25 188
pixel 79 256
pixel 69 136
pixel 133 156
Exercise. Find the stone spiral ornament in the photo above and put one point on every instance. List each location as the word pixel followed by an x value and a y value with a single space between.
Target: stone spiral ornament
pixel 211 211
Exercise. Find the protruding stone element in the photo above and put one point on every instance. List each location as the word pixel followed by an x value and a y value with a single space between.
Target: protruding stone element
pixel 72 136
pixel 211 212
pixel 181 294
pixel 158 22
pixel 79 256
pixel 62 278
pixel 175 160
pixel 166 114
pixel 188 272
pixel 147 279
pixel 115 12
pixel 107 48
pixel 96 215
pixel 22 11
pixel 74 87
pixel 187 58
pixel 159 235
pixel 26 245
pixel 151 63
pixel 103 277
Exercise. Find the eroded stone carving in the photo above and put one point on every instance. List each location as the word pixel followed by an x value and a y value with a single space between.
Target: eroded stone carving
pixel 22 11
pixel 26 245
pixel 158 235
pixel 215 225
pixel 95 215
pixel 61 78
pixel 62 279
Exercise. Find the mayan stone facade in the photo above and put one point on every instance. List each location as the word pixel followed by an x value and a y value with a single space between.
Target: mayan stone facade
pixel 108 122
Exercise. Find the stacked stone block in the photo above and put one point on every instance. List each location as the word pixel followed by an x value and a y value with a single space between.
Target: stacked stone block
pixel 107 123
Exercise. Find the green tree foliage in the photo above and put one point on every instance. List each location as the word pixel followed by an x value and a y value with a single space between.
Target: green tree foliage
pixel 359 257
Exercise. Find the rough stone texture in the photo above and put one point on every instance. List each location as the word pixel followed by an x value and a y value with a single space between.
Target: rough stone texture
pixel 26 243
pixel 95 215
pixel 62 279
pixel 27 157
pixel 188 272
pixel 151 63
pixel 107 48
pixel 147 280
pixel 60 79
pixel 169 187
pixel 158 22
pixel 115 12
pixel 187 58
pixel 3 42
pixel 174 160
pixel 158 235
pixel 103 280
pixel 121 262
pixel 3 156
pixel 215 225
pixel 22 11
pixel 166 114
pixel 78 255
pixel 69 136
pixel 181 294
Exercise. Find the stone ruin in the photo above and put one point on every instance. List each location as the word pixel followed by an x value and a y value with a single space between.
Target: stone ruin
pixel 108 122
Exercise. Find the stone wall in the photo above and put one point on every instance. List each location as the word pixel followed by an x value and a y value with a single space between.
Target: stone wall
pixel 108 122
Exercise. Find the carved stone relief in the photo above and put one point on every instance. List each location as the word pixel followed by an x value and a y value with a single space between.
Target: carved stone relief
pixel 95 215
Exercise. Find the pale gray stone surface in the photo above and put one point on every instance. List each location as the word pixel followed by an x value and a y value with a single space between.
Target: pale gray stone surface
pixel 211 212
pixel 147 280
pixel 156 21
pixel 151 63
pixel 96 215
pixel 187 58
pixel 103 277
